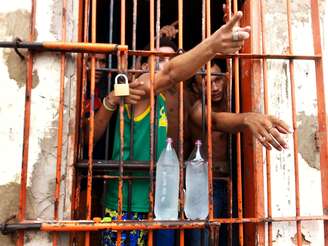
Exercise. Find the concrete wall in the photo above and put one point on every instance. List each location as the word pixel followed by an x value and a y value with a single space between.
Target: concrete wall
pixel 283 179
pixel 14 22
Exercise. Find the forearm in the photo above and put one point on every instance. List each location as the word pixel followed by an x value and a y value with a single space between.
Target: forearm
pixel 229 122
pixel 184 66
pixel 102 118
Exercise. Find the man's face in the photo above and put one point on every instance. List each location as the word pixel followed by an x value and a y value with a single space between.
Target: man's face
pixel 162 60
pixel 218 84
pixel 100 63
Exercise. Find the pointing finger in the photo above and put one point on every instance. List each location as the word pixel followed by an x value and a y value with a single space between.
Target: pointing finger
pixel 233 21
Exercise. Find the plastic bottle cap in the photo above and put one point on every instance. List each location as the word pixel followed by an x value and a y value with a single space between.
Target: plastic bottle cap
pixel 169 140
pixel 198 142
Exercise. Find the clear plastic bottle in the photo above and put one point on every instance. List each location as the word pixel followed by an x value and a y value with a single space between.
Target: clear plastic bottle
pixel 167 184
pixel 196 197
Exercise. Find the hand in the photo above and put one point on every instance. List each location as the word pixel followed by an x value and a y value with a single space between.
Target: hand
pixel 169 31
pixel 267 129
pixel 133 98
pixel 229 39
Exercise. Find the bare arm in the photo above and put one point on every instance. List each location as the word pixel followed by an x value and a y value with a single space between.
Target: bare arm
pixel 266 128
pixel 185 66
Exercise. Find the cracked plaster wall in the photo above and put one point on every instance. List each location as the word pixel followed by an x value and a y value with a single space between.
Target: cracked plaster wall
pixel 14 22
pixel 283 180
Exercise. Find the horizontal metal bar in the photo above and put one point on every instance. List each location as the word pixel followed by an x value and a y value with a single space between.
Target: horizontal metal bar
pixel 76 47
pixel 95 225
pixel 239 55
pixel 110 165
pixel 79 47
pixel 114 165
pixel 115 70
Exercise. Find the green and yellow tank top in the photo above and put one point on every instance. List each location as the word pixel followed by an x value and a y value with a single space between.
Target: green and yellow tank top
pixel 141 150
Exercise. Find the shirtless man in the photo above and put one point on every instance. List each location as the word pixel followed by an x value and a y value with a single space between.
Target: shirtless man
pixel 265 128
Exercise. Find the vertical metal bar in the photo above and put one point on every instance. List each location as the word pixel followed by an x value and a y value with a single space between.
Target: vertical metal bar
pixel 60 121
pixel 322 114
pixel 152 111
pixel 181 118
pixel 230 152
pixel 209 114
pixel 78 143
pixel 238 142
pixel 84 70
pixel 203 77
pixel 26 134
pixel 92 119
pixel 109 81
pixel 295 134
pixel 134 46
pixel 120 181
pixel 266 111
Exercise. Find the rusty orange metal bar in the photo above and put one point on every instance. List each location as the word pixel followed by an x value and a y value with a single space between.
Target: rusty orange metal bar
pixel 78 143
pixel 294 119
pixel 60 121
pixel 92 118
pixel 209 114
pixel 181 124
pixel 322 114
pixel 227 14
pixel 238 141
pixel 120 63
pixel 60 46
pixel 266 111
pixel 26 133
pixel 238 55
pixel 94 225
pixel 152 114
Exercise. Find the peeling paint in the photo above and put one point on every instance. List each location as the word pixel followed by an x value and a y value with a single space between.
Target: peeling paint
pixel 17 68
pixel 9 206
pixel 306 139
pixel 17 24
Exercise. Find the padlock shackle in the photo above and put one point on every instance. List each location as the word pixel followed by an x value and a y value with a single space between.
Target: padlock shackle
pixel 121 75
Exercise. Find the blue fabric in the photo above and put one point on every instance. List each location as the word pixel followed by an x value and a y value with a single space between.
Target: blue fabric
pixel 220 199
pixel 164 238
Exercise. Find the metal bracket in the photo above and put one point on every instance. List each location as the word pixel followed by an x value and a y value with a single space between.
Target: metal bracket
pixel 4 230
pixel 17 41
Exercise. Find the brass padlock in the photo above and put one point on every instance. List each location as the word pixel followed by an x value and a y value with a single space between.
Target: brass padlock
pixel 121 89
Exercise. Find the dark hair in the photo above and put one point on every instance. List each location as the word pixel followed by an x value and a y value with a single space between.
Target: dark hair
pixel 163 42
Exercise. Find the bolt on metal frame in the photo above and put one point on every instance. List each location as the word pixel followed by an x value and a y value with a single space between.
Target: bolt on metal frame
pixel 233 61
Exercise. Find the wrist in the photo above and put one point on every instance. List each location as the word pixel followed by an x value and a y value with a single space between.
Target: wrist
pixel 109 103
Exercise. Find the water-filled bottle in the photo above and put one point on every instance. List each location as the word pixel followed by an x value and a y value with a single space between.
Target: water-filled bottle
pixel 167 184
pixel 196 197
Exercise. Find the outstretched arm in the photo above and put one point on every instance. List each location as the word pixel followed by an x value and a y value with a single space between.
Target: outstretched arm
pixel 185 66
pixel 266 128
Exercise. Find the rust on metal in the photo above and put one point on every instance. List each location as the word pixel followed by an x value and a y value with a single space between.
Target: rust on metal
pixel 26 133
pixel 295 130
pixel 322 114
pixel 91 119
pixel 209 114
pixel 266 111
pixel 60 121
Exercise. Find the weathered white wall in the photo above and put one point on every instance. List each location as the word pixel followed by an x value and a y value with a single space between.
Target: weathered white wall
pixel 283 179
pixel 14 22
